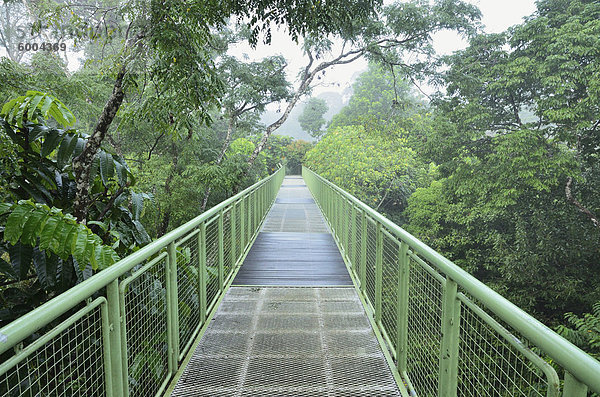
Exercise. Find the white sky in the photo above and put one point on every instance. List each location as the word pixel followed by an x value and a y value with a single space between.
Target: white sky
pixel 497 16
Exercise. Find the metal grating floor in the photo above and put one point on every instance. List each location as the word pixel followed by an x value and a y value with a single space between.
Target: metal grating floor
pixel 294 247
pixel 288 342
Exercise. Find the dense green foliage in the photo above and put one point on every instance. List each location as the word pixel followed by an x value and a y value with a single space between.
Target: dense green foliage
pixel 368 149
pixel 500 173
pixel 311 119
pixel 504 176
pixel 39 234
pixel 519 190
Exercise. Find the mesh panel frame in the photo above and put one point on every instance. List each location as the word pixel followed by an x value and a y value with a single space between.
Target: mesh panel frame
pixel 146 334
pixel 188 288
pixel 70 363
pixel 487 362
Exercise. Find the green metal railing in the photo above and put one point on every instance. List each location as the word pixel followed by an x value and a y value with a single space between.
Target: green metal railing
pixel 124 331
pixel 447 333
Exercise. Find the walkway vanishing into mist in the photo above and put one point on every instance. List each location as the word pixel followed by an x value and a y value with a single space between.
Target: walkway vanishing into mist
pixel 292 324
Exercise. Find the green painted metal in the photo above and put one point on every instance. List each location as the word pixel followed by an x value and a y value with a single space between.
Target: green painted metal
pixel 440 307
pixel 402 308
pixel 363 252
pixel 353 241
pixel 233 231
pixel 146 284
pixel 450 340
pixel 243 224
pixel 378 274
pixel 106 346
pixel 118 373
pixel 221 259
pixel 573 387
pixel 172 307
pixel 202 270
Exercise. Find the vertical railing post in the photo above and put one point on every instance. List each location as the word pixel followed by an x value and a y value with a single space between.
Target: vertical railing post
pixel 117 372
pixel 342 233
pixel 261 208
pixel 172 308
pixel 447 386
pixel 352 252
pixel 573 387
pixel 378 273
pixel 402 307
pixel 249 215
pixel 363 252
pixel 202 271
pixel 106 349
pixel 221 252
pixel 329 205
pixel 334 213
pixel 233 229
pixel 255 217
pixel 243 225
pixel 338 216
pixel 345 226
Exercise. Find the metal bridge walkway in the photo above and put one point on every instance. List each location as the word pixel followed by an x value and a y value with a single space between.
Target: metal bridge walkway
pixel 292 324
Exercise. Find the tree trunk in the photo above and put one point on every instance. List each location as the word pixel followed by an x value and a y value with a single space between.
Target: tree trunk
pixel 307 78
pixel 82 164
pixel 166 218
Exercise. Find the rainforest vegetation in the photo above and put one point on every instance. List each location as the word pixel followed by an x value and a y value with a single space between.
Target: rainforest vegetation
pixel 499 170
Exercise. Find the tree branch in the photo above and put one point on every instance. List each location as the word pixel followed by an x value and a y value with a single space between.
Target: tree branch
pixel 579 206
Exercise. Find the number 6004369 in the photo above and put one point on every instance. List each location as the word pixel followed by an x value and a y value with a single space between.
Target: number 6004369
pixel 42 47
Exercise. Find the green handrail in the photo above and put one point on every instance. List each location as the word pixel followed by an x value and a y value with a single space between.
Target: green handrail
pixel 448 332
pixel 136 320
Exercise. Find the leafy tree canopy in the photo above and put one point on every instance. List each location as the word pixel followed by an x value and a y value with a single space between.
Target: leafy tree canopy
pixel 311 119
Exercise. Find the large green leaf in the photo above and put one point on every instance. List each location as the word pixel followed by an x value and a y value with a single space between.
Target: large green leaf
pixel 59 234
pixel 41 267
pixel 15 222
pixel 82 243
pixel 65 150
pixel 7 270
pixel 106 166
pixel 20 259
pixel 137 205
pixel 51 141
pixel 37 192
pixel 48 233
pixel 67 239
pixel 32 105
pixel 33 227
pixel 105 256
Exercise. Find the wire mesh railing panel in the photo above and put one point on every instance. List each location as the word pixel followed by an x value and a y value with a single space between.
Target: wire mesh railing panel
pixel 69 363
pixel 228 260
pixel 145 302
pixel 371 237
pixel 212 261
pixel 252 213
pixel 357 238
pixel 148 308
pixel 389 290
pixel 490 365
pixel 448 344
pixel 188 287
pixel 424 330
pixel 238 233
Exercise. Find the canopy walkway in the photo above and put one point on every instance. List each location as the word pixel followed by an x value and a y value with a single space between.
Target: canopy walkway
pixel 290 288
